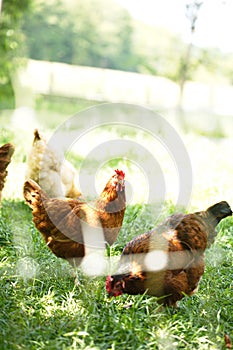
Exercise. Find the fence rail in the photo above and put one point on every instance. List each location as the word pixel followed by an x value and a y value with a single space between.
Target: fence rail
pixel 52 78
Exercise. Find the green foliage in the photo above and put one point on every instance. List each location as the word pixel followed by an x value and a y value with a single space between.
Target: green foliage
pixel 102 34
pixel 48 32
pixel 91 33
pixel 98 33
pixel 65 106
pixel 11 40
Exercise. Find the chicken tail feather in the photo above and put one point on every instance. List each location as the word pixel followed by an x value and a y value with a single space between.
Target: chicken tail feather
pixel 33 194
pixel 37 136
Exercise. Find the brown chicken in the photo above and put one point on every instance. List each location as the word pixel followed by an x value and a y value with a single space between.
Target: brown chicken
pixel 69 225
pixel 168 261
pixel 46 166
pixel 6 152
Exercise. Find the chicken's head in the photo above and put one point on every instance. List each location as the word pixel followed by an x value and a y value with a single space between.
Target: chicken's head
pixel 114 287
pixel 118 180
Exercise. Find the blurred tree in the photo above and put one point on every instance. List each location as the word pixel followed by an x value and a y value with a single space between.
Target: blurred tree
pixel 162 53
pixel 192 11
pixel 48 29
pixel 158 50
pixel 90 32
pixel 187 65
pixel 100 33
pixel 11 40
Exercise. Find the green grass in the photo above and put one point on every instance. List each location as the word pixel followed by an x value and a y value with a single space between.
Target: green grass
pixel 59 109
pixel 42 308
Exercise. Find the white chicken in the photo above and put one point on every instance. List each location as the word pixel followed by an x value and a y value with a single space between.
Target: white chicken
pixel 45 166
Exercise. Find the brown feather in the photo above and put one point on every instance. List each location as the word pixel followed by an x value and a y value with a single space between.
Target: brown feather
pixel 6 152
pixel 61 221
pixel 176 252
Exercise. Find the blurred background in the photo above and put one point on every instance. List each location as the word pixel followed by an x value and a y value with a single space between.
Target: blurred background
pixel 174 57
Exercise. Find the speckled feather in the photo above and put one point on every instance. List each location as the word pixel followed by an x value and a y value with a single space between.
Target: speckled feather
pixel 183 239
pixel 60 221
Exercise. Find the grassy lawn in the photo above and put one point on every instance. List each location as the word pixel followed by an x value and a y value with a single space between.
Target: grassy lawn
pixel 42 308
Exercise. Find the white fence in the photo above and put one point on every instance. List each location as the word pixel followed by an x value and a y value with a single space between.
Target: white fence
pixel 52 78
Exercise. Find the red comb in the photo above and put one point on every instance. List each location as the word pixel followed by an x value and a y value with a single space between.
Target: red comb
pixel 120 173
pixel 108 283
